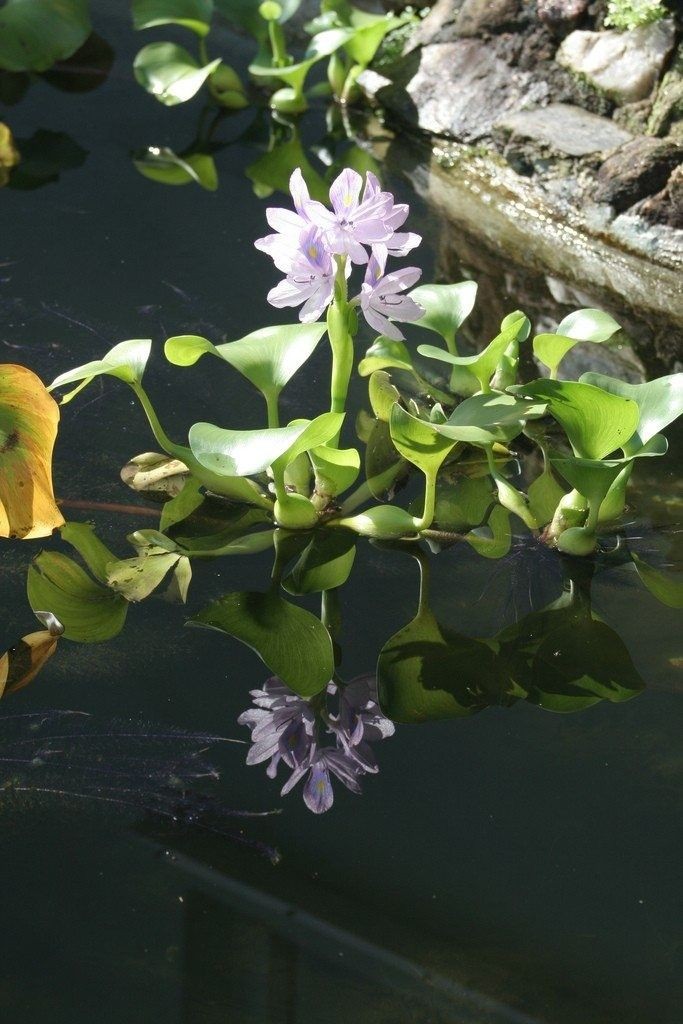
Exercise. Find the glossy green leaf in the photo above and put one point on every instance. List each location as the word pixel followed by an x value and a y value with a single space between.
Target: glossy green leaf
pixel 485 363
pixel 418 441
pixel 382 522
pixel 127 361
pixel 544 494
pixel 486 419
pixel 659 402
pixel 136 578
pixel 325 564
pixel 336 469
pixel 582 325
pixel 187 501
pixel 293 643
pixel 595 421
pixel 245 452
pixel 89 611
pixel 384 354
pixel 383 395
pixel 170 73
pixel 382 461
pixel 294 75
pixel 35 34
pixel 366 40
pixel 268 358
pixel 193 14
pixel 163 165
pixel 495 538
pixel 446 307
pixel 92 550
pixel 594 477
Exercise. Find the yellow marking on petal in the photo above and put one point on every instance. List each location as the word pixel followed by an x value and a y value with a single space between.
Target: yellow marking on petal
pixel 313 251
pixel 348 199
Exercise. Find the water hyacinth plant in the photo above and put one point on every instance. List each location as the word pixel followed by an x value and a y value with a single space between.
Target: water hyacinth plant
pixel 338 262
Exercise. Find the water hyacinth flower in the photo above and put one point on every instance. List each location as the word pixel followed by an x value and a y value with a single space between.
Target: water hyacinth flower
pixel 311 242
pixel 381 295
pixel 285 729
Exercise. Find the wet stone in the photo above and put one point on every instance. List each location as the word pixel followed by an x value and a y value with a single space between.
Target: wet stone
pixel 637 169
pixel 565 129
pixel 667 206
pixel 561 14
pixel 625 65
pixel 480 17
pixel 667 112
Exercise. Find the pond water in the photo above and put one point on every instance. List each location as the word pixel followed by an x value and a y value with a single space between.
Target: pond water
pixel 517 865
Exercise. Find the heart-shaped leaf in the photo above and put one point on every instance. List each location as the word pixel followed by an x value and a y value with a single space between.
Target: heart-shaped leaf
pixel 418 441
pixel 659 401
pixel 293 643
pixel 385 354
pixel 245 452
pixel 35 34
pixel 89 611
pixel 595 421
pixel 582 325
pixel 268 358
pixel 170 73
pixel 336 469
pixel 28 428
pixel 446 307
pixel 484 364
pixel 127 361
pixel 486 419
pixel 163 165
pixel 367 38
pixel 193 14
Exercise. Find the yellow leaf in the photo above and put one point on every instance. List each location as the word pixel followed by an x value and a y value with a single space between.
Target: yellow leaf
pixel 23 662
pixel 28 427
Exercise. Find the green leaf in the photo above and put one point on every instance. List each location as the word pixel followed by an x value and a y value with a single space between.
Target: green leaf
pixel 495 539
pixel 170 73
pixel 463 503
pixel 384 354
pixel 666 587
pixel 418 441
pixel 382 522
pixel 193 14
pixel 383 395
pixel 127 361
pixel 336 469
pixel 588 325
pixel 446 307
pixel 486 419
pixel 136 578
pixel 367 39
pixel 268 358
pixel 594 477
pixel 325 564
pixel 29 418
pixel 595 421
pixel 92 550
pixel 187 501
pixel 274 168
pixel 485 363
pixel 88 611
pixel 163 165
pixel 245 452
pixel 582 325
pixel 659 401
pixel 544 495
pixel 294 75
pixel 34 34
pixel 293 643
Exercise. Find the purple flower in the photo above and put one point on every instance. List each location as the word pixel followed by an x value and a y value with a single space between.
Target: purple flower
pixel 381 297
pixel 282 727
pixel 310 276
pixel 284 246
pixel 354 222
pixel 401 243
pixel 318 792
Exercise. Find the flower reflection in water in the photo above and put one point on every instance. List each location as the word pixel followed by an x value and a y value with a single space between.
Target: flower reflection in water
pixel 285 728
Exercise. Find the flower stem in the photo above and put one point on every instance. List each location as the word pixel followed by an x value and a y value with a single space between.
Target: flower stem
pixel 271 398
pixel 341 343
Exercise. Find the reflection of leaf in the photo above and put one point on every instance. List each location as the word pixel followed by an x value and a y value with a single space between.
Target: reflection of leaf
pixel 36 33
pixel 494 539
pixel 293 643
pixel 170 73
pixel 9 154
pixel 20 665
pixel 664 586
pixel 163 165
pixel 325 564
pixel 275 167
pixel 43 158
pixel 28 428
pixel 89 611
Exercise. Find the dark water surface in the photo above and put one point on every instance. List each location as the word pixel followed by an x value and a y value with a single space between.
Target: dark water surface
pixel 530 857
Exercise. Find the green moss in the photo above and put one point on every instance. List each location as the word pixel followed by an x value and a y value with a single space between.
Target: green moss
pixel 630 14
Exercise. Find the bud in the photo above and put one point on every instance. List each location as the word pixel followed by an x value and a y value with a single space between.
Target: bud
pixel 577 541
pixel 383 522
pixel 295 512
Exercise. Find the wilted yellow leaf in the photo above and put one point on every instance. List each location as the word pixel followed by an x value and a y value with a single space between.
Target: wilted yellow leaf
pixel 28 427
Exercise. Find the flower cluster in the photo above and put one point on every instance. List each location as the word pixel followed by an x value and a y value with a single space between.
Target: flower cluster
pixel 312 244
pixel 285 728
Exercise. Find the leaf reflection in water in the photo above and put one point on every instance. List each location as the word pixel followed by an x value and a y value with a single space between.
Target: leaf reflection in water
pixel 68 756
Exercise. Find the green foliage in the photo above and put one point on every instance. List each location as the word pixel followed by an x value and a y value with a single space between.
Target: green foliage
pixel 630 14
pixel 34 34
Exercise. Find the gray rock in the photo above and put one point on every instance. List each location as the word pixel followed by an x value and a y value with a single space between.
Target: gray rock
pixel 561 14
pixel 667 206
pixel 479 17
pixel 636 170
pixel 668 106
pixel 461 90
pixel 625 65
pixel 566 129
pixel 438 26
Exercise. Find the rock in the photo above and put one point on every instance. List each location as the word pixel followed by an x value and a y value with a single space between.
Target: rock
pixel 633 116
pixel 561 14
pixel 480 17
pixel 438 26
pixel 566 129
pixel 637 169
pixel 625 65
pixel 668 106
pixel 460 90
pixel 667 206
